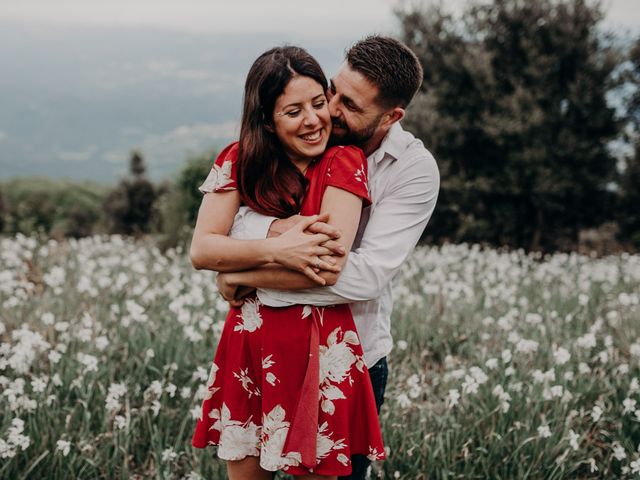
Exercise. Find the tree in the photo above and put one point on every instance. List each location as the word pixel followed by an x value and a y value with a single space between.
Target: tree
pixel 179 207
pixel 58 208
pixel 131 205
pixel 137 167
pixel 514 107
pixel 628 208
pixel 3 210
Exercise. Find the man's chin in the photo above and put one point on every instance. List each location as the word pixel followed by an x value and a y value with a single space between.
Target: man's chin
pixel 335 139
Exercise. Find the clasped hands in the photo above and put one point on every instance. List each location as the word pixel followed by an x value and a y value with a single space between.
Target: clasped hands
pixel 299 243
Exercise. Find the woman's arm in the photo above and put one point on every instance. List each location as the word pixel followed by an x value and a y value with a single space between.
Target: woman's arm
pixel 212 249
pixel 344 210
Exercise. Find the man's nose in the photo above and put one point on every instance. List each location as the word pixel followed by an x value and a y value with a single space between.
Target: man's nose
pixel 333 105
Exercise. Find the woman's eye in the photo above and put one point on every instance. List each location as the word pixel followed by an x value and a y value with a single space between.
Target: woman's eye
pixel 292 113
pixel 319 104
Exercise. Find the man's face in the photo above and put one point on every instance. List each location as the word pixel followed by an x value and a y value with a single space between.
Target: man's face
pixel 354 111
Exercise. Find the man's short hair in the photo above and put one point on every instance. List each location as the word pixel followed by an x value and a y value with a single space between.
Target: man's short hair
pixel 390 65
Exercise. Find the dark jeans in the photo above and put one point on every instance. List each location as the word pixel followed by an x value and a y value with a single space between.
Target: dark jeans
pixel 378 374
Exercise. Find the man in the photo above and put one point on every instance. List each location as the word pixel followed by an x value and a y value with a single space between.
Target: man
pixel 367 99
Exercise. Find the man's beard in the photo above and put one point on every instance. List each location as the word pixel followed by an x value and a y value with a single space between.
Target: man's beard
pixel 353 137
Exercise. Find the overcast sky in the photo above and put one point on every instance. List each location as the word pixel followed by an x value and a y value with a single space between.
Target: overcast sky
pixel 86 81
pixel 325 17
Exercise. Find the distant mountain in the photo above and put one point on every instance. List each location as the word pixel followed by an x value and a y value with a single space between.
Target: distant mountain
pixel 76 101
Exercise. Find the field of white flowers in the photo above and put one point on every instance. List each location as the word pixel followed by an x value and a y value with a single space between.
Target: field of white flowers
pixel 505 365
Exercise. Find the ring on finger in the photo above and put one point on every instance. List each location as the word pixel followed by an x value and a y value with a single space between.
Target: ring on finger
pixel 317 264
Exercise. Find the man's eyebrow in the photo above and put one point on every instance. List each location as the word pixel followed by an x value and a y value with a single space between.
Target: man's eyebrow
pixel 344 98
pixel 350 100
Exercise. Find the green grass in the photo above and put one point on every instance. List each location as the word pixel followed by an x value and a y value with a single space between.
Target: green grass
pixel 147 320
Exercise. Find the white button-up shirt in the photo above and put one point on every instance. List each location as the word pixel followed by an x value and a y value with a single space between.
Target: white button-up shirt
pixel 403 183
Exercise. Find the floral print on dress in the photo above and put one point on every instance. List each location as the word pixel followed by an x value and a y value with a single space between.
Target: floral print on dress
pixel 336 360
pixel 325 445
pixel 361 176
pixel 237 439
pixel 262 363
pixel 250 318
pixel 348 171
pixel 210 381
pixel 374 454
pixel 222 177
pixel 219 179
pixel 274 434
pixel 243 377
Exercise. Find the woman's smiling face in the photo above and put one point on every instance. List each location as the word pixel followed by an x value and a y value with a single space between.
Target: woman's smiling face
pixel 301 120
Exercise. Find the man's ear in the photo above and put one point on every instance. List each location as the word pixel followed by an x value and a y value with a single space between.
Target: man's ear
pixel 392 116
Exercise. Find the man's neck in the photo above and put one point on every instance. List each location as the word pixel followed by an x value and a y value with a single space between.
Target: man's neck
pixel 374 142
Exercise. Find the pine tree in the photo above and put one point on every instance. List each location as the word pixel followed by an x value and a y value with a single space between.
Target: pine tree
pixel 514 107
pixel 628 209
pixel 131 205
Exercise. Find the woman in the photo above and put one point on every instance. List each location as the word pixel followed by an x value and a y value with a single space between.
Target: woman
pixel 288 389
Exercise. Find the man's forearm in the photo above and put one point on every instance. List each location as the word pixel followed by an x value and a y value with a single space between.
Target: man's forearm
pixel 274 276
pixel 393 229
pixel 356 283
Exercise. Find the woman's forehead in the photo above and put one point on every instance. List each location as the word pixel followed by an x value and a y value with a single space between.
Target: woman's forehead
pixel 300 89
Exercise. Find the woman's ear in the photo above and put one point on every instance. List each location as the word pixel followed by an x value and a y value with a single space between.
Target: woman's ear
pixel 268 125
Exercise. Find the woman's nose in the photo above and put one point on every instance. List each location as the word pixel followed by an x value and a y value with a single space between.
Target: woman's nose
pixel 310 117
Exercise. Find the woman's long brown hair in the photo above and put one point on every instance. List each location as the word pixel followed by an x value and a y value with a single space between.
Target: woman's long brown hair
pixel 268 181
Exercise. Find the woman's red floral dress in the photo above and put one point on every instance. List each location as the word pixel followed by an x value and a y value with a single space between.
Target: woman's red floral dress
pixel 289 384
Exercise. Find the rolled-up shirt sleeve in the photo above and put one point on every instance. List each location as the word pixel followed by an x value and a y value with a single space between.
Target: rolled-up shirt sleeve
pixel 249 225
pixel 396 223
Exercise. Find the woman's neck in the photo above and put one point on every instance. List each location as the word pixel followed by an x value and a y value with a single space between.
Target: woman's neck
pixel 302 164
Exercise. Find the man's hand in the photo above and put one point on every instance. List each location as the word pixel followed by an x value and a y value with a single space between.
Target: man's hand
pixel 228 290
pixel 282 225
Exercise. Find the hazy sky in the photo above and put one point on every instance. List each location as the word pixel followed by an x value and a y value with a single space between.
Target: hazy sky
pixel 326 17
pixel 86 81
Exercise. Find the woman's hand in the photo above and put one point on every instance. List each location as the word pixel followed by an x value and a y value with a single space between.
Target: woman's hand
pixel 305 252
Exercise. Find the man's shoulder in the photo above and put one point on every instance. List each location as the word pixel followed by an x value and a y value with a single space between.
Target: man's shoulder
pixel 408 149
pixel 344 150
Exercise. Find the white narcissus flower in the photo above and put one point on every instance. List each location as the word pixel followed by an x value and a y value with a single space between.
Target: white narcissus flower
pixel 119 422
pixel 169 455
pixel 491 363
pixel 403 401
pixel 544 431
pixel 63 446
pixel 629 405
pixel 573 440
pixel 561 356
pixel 618 451
pixel 596 413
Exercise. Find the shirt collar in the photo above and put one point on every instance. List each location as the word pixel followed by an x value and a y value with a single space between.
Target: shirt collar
pixel 392 144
